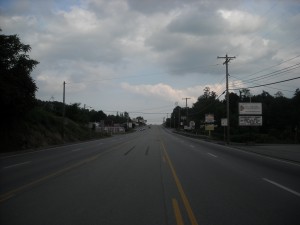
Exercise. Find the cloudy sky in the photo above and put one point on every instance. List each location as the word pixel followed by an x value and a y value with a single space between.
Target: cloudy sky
pixel 143 56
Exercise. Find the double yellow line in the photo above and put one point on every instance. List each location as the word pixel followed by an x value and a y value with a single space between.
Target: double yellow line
pixel 183 196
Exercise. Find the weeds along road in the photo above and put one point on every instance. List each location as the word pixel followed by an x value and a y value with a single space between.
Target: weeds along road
pixel 145 178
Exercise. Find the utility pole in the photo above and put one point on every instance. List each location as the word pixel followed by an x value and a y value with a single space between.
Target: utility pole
pixel 179 120
pixel 186 109
pixel 227 60
pixel 176 104
pixel 167 120
pixel 64 111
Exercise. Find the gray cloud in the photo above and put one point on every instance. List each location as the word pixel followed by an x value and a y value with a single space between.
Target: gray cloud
pixel 96 40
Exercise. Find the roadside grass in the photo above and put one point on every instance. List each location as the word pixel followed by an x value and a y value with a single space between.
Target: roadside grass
pixel 41 128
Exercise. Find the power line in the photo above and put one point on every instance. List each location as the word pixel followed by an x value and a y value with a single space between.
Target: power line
pixel 271 74
pixel 262 85
pixel 241 82
pixel 272 66
pixel 275 73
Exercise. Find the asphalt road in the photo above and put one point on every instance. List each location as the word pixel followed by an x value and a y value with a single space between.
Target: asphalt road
pixel 148 177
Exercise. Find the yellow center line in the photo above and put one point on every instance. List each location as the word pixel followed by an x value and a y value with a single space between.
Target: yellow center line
pixel 13 192
pixel 177 213
pixel 180 188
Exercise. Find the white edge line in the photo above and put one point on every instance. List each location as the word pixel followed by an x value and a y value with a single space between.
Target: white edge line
pixel 45 149
pixel 77 149
pixel 282 187
pixel 15 165
pixel 263 156
pixel 245 151
pixel 212 155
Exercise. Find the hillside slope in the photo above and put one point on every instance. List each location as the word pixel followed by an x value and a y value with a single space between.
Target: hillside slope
pixel 41 129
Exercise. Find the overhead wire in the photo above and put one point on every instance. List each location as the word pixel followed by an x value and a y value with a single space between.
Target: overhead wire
pixel 249 75
pixel 262 85
pixel 240 82
pixel 274 73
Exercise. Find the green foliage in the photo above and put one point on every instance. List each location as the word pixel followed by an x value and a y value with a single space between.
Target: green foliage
pixel 41 128
pixel 97 116
pixel 281 120
pixel 27 122
pixel 75 113
pixel 17 88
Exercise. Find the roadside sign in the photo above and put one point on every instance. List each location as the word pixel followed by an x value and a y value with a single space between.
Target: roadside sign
pixel 209 118
pixel 250 120
pixel 192 124
pixel 209 127
pixel 246 108
pixel 224 122
pixel 187 128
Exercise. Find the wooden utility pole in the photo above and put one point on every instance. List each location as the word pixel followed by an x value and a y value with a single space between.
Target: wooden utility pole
pixel 186 109
pixel 64 111
pixel 227 60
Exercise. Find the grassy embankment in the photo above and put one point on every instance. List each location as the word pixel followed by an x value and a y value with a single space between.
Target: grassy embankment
pixel 40 129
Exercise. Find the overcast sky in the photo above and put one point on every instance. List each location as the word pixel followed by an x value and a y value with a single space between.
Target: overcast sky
pixel 146 55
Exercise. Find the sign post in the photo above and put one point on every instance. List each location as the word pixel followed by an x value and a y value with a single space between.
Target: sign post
pixel 250 115
pixel 209 123
pixel 224 124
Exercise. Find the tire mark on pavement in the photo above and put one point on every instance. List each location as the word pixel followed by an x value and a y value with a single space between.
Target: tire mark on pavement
pixel 126 153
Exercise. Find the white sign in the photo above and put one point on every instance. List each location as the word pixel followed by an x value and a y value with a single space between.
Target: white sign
pixel 192 124
pixel 246 108
pixel 250 120
pixel 209 118
pixel 224 122
pixel 186 128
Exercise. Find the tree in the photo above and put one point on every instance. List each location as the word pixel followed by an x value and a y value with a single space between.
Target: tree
pixel 206 103
pixel 17 88
pixel 97 116
pixel 279 94
pixel 77 114
pixel 245 95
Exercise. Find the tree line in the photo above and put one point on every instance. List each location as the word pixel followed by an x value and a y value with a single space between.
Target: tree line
pixel 281 116
pixel 84 115
pixel 24 116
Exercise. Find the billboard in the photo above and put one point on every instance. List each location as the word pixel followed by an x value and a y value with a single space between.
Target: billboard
pixel 250 120
pixel 246 108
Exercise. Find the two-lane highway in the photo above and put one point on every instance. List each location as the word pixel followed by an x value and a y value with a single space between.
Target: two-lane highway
pixel 148 177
